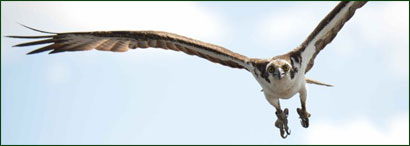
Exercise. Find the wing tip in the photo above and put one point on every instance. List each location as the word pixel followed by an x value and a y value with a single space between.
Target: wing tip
pixel 29 37
pixel 36 29
pixel 35 52
pixel 33 37
pixel 40 51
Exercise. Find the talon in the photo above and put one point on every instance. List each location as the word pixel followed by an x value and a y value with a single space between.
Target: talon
pixel 284 131
pixel 286 111
pixel 287 130
pixel 304 122
pixel 283 134
pixel 304 117
pixel 282 123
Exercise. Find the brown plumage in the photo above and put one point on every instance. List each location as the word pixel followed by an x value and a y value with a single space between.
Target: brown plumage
pixel 281 76
pixel 121 41
pixel 322 42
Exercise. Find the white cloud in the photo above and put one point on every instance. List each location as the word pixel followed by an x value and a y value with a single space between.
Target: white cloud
pixel 396 19
pixel 186 18
pixel 382 27
pixel 282 27
pixel 385 26
pixel 360 131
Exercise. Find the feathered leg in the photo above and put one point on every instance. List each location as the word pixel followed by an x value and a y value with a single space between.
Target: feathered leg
pixel 303 113
pixel 282 121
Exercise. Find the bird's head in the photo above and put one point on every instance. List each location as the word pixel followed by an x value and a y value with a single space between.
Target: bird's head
pixel 278 68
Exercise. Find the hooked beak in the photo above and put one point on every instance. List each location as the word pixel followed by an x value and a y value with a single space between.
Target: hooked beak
pixel 278 74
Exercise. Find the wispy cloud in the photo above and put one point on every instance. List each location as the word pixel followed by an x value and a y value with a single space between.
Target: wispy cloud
pixel 283 27
pixel 186 18
pixel 360 131
pixel 390 34
pixel 396 19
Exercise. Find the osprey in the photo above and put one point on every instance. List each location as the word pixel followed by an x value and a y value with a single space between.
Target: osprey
pixel 280 77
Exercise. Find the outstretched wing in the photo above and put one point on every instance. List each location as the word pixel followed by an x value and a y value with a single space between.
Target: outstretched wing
pixel 121 41
pixel 324 33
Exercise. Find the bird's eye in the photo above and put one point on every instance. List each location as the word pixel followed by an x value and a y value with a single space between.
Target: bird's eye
pixel 285 68
pixel 271 69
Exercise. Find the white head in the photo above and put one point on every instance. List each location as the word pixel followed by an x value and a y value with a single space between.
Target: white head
pixel 279 69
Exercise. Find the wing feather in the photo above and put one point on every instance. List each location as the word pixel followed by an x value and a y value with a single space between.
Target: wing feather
pixel 107 45
pixel 35 43
pixel 45 48
pixel 121 41
pixel 325 32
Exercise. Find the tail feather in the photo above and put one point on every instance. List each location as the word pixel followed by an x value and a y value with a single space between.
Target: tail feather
pixel 310 81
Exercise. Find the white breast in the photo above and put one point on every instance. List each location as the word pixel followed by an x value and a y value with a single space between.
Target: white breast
pixel 284 88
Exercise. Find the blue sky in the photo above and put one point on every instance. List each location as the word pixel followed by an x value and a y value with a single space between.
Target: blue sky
pixel 162 97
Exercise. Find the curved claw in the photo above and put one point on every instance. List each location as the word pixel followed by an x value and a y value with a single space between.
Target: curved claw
pixel 304 117
pixel 283 134
pixel 304 122
pixel 286 111
pixel 287 130
pixel 282 123
pixel 283 129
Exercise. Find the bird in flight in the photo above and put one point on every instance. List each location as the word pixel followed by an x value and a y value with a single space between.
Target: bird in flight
pixel 280 77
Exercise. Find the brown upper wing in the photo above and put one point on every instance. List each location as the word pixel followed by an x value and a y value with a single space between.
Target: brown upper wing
pixel 121 41
pixel 325 32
